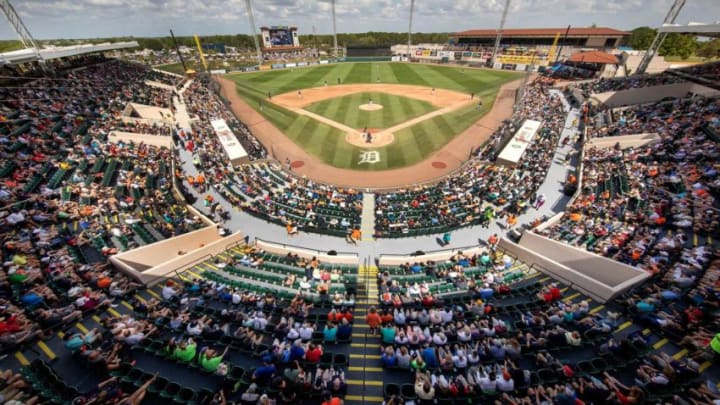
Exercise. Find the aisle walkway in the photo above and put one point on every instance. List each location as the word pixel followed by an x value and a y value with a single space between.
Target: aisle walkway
pixel 368 217
pixel 365 382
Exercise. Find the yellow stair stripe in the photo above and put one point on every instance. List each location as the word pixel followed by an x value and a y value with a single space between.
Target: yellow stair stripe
pixel 704 366
pixel 49 353
pixel 357 344
pixel 365 356
pixel 571 297
pixel 127 305
pixel 695 240
pixel 366 398
pixel 22 359
pixel 679 355
pixel 362 326
pixel 141 299
pixel 113 312
pixel 597 309
pixel 364 382
pixel 153 293
pixel 81 327
pixel 371 369
pixel 660 343
pixel 544 279
pixel 624 326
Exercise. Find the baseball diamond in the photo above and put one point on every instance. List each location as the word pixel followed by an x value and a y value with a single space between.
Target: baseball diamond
pixel 423 108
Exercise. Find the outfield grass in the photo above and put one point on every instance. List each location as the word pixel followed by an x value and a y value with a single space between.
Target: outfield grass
pixel 396 109
pixel 411 144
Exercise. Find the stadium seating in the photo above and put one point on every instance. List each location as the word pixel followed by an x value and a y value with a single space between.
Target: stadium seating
pixel 472 329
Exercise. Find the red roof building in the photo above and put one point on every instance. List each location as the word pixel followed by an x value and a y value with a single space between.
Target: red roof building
pixel 598 57
pixel 600 37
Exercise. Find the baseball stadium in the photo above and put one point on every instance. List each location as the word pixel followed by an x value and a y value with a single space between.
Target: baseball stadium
pixel 506 216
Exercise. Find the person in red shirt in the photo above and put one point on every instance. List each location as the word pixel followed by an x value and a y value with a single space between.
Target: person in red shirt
pixel 313 353
pixel 373 320
pixel 386 317
pixel 334 316
pixel 348 315
pixel 555 292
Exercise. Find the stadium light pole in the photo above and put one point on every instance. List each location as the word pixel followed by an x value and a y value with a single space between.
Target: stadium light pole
pixel 412 8
pixel 251 17
pixel 498 37
pixel 660 36
pixel 335 47
pixel 21 30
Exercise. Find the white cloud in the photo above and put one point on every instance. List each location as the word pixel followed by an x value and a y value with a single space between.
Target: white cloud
pixel 96 18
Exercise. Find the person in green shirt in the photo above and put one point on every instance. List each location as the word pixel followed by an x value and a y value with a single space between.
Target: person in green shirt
pixel 210 359
pixel 186 351
pixel 388 333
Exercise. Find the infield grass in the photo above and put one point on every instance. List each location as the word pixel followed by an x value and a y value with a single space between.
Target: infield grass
pixel 411 144
pixel 346 109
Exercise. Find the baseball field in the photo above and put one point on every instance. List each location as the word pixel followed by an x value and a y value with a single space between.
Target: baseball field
pixel 410 110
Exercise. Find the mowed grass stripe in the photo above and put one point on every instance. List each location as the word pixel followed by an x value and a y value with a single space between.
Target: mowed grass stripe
pixel 409 74
pixel 348 110
pixel 386 73
pixel 438 80
pixel 462 80
pixel 360 73
pixel 396 109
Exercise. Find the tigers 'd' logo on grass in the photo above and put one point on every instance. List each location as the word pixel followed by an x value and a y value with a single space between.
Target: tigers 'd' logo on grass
pixel 371 156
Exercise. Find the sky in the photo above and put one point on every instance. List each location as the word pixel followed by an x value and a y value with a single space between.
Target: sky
pixel 47 19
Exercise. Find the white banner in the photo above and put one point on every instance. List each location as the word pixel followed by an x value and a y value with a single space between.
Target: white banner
pixel 235 152
pixel 514 150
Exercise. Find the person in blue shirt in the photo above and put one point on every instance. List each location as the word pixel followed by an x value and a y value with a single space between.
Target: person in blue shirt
pixel 264 372
pixel 388 357
pixel 330 332
pixel 344 330
pixel 429 357
pixel 446 238
pixel 297 351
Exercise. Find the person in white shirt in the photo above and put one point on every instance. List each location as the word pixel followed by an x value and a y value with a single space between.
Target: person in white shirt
pixel 306 332
pixel 505 382
pixel 236 297
pixel 194 328
pixel 446 315
pixel 460 361
pixel 488 383
pixel 399 317
pixel 168 291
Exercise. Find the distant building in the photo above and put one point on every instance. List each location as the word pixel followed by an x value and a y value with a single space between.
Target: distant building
pixel 600 37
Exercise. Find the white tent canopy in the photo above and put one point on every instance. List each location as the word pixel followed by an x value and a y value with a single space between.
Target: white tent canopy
pixel 56 52
pixel 701 29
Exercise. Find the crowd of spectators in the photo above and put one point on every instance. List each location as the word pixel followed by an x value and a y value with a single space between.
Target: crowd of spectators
pixel 626 83
pixel 71 198
pixel 633 199
pixel 481 191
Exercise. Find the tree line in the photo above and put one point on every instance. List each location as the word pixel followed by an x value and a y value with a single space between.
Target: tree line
pixel 679 45
pixel 682 45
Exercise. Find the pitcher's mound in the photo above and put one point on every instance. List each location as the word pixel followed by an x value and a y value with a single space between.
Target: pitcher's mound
pixel 370 107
